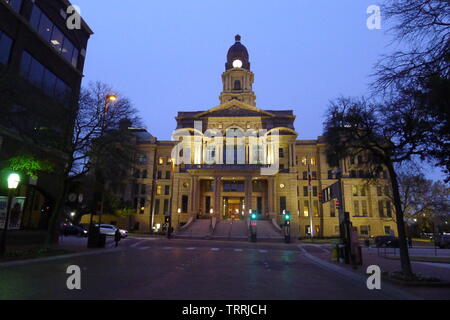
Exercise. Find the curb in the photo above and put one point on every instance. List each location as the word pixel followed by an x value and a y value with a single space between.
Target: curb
pixel 55 258
pixel 391 291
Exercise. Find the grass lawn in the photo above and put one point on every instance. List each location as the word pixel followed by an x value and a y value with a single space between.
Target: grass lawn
pixel 33 253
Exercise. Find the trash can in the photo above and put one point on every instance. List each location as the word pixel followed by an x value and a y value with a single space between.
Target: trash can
pixel 101 241
pixel 93 237
pixel 341 249
pixel 335 252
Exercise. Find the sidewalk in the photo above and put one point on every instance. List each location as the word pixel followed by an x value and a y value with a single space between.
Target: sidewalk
pixel 370 257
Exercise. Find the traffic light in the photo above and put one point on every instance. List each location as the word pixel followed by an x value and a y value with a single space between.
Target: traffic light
pixel 253 216
pixel 287 218
pixel 338 205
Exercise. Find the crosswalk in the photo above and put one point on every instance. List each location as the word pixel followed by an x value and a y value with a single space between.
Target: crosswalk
pixel 142 246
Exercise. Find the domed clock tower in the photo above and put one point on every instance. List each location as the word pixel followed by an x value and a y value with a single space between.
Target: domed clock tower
pixel 238 79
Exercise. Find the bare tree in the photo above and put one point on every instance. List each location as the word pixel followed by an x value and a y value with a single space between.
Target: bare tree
pixel 391 133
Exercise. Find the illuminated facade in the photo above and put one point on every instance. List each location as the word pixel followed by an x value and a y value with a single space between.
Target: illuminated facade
pixel 221 165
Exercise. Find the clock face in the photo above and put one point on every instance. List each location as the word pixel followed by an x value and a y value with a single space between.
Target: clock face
pixel 237 63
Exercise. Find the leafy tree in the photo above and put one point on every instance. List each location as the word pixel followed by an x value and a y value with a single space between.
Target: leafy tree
pixel 29 165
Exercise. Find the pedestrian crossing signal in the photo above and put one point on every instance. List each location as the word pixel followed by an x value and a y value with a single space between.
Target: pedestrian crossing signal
pixel 287 218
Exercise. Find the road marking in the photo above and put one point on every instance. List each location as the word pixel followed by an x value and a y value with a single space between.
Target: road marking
pixel 238 250
pixel 263 251
pixel 144 248
pixel 138 243
pixel 215 249
pixel 191 249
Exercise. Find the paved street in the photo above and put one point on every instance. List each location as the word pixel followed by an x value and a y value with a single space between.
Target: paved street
pixel 187 269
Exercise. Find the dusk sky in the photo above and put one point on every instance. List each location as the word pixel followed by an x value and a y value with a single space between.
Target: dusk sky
pixel 168 56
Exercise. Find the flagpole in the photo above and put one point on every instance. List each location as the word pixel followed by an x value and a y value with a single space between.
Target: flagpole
pixel 311 226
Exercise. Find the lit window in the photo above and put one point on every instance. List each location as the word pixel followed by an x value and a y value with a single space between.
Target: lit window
pixel 161 161
pixel 159 190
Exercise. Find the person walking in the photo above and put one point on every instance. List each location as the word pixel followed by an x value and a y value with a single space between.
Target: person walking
pixel 117 237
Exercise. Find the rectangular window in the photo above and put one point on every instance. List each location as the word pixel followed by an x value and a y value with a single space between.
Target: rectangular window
pixel 143 189
pixel 305 192
pixel 387 230
pixel 332 209
pixel 356 208
pixel 167 190
pixel 159 175
pixel 315 192
pixel 314 175
pixel 365 212
pixel 167 175
pixel 281 153
pixel 316 208
pixel 388 209
pixel 355 191
pixel 157 205
pixel 306 208
pixel 159 190
pixel 142 206
pixel 33 71
pixel 166 206
pixel 282 204
pixel 381 208
pixel 330 175
pixel 305 175
pixel 15 4
pixel 365 230
pixel 47 29
pixel 5 48
pixel 184 204
pixel 161 161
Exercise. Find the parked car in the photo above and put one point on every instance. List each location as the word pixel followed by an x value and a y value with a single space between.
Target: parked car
pixel 443 242
pixel 110 230
pixel 73 230
pixel 387 242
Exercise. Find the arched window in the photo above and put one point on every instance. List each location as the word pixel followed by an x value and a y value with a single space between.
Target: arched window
pixel 237 85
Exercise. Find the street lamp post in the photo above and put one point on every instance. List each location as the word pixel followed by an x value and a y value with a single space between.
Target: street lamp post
pixel 109 98
pixel 13 183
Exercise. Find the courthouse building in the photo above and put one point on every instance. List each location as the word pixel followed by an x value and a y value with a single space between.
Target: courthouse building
pixel 223 170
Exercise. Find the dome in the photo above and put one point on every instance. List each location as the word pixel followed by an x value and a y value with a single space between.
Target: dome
pixel 238 52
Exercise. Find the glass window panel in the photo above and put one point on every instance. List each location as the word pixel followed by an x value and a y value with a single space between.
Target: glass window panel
pixel 36 73
pixel 5 48
pixel 49 83
pixel 35 17
pixel 75 57
pixel 45 27
pixel 57 39
pixel 15 4
pixel 25 64
pixel 67 50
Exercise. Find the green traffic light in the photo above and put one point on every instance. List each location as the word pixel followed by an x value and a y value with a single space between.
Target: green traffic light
pixel 253 216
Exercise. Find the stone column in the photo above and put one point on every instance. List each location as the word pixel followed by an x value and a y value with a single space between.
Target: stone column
pixel 271 195
pixel 248 195
pixel 196 198
pixel 217 204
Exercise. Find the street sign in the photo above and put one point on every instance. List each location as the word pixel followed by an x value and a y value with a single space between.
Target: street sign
pixel 332 192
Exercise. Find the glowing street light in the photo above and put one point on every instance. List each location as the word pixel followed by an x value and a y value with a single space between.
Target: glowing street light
pixel 13 183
